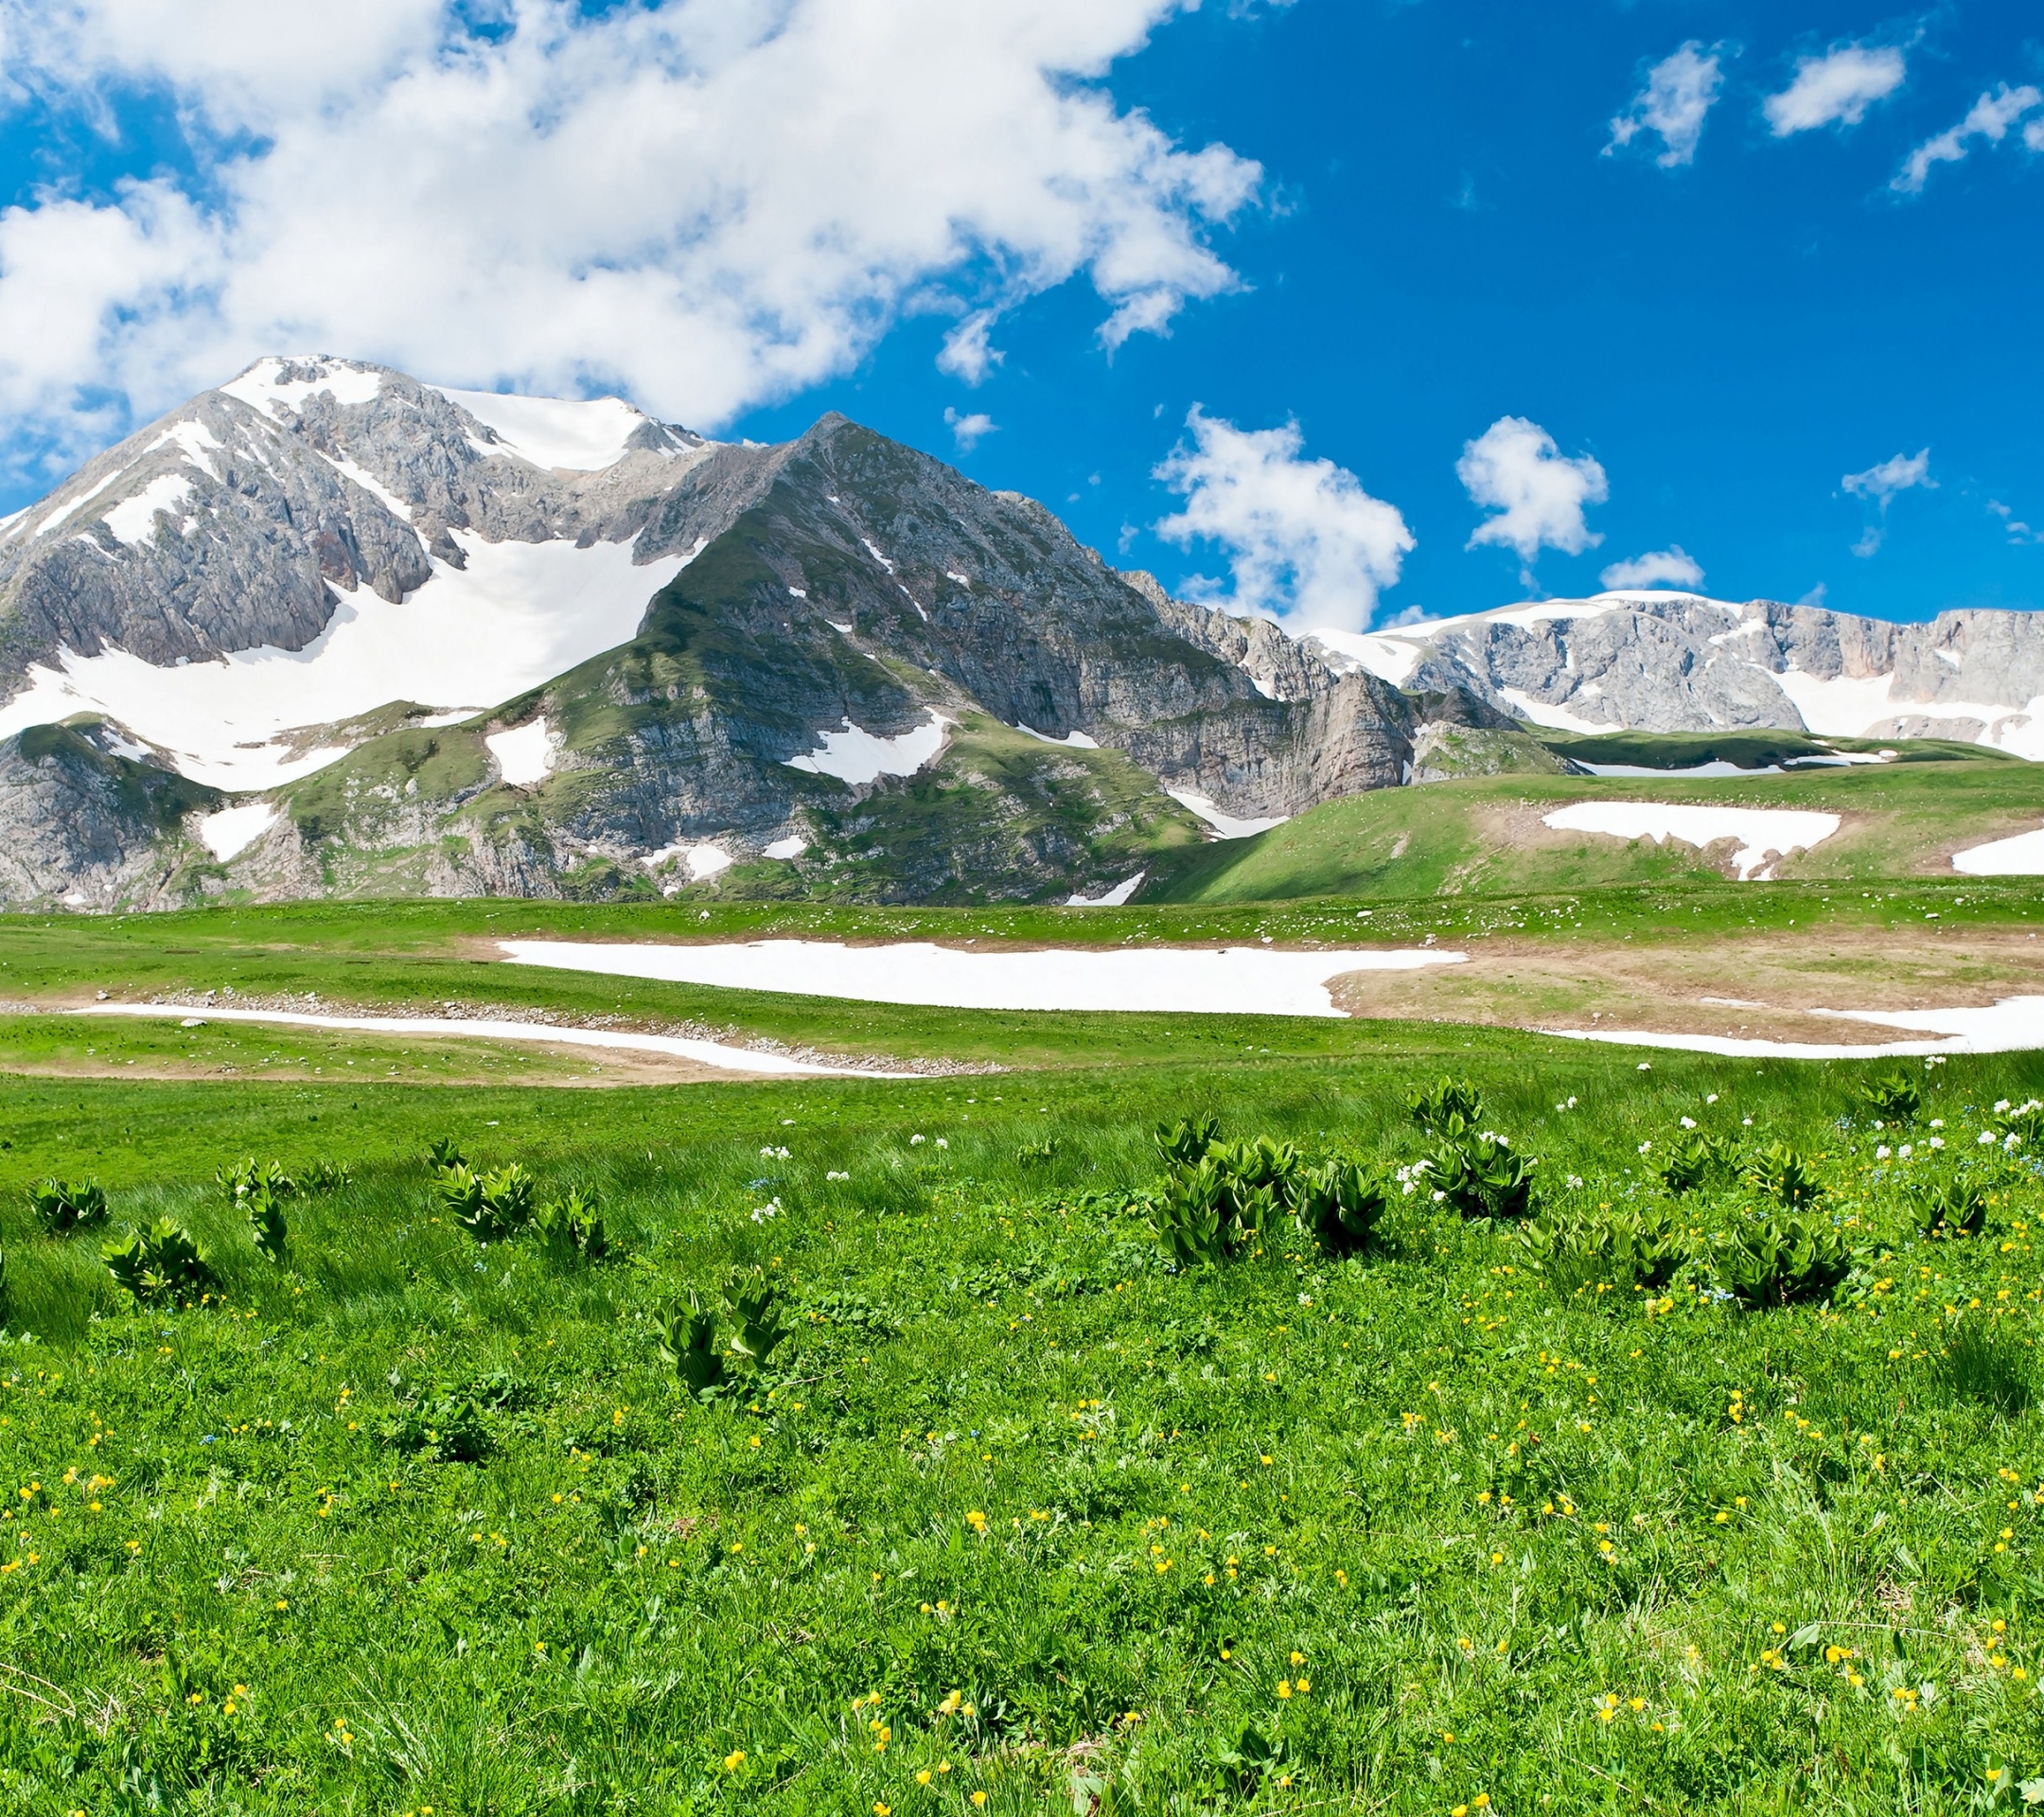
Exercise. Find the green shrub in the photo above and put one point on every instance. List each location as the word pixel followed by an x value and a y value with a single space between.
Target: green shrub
pixel 1955 1205
pixel 689 1347
pixel 753 1303
pixel 328 1177
pixel 246 1176
pixel 571 1229
pixel 266 1223
pixel 1480 1177
pixel 1185 1143
pixel 449 1427
pixel 1782 1174
pixel 1644 1245
pixel 1694 1160
pixel 707 1348
pixel 1037 1154
pixel 1895 1100
pixel 443 1153
pixel 1781 1259
pixel 1447 1107
pixel 161 1265
pixel 1339 1205
pixel 64 1206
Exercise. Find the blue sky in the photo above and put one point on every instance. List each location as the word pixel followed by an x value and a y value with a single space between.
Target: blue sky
pixel 1440 234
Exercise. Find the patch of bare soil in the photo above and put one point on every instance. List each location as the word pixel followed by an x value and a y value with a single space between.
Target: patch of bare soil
pixel 1760 986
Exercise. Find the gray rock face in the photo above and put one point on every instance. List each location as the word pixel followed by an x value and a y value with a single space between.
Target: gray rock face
pixel 1677 663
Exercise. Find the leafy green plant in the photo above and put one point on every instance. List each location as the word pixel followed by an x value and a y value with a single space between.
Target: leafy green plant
pixel 753 1303
pixel 1037 1154
pixel 267 1224
pixel 1447 1107
pixel 449 1427
pixel 328 1177
pixel 1480 1177
pixel 1781 1259
pixel 1896 1099
pixel 1693 1160
pixel 490 1207
pixel 161 1265
pixel 1339 1205
pixel 1623 1248
pixel 247 1176
pixel 63 1206
pixel 689 1347
pixel 1786 1176
pixel 1955 1205
pixel 443 1153
pixel 571 1229
pixel 1185 1143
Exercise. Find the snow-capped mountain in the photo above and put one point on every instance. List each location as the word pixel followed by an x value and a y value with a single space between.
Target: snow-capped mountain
pixel 1653 662
pixel 327 627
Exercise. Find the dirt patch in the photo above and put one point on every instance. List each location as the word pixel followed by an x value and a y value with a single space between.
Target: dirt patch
pixel 1758 985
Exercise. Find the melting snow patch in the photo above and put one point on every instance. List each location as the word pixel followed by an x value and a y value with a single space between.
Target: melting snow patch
pixel 524 755
pixel 857 757
pixel 555 432
pixel 198 442
pixel 791 847
pixel 1762 832
pixel 1112 899
pixel 1078 740
pixel 233 830
pixel 878 556
pixel 708 1053
pixel 1227 825
pixel 2015 1025
pixel 707 861
pixel 1715 767
pixel 842 630
pixel 371 485
pixel 2020 856
pixel 133 520
pixel 1236 980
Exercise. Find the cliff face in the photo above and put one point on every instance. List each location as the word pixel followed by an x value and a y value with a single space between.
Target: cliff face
pixel 1673 662
pixel 838 644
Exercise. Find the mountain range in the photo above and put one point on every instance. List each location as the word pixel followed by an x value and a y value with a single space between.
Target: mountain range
pixel 330 630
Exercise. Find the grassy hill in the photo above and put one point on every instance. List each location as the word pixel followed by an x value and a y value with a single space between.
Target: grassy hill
pixel 1482 834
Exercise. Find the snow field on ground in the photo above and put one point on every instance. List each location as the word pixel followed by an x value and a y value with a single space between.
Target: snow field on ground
pixel 2019 857
pixel 2015 1025
pixel 1235 980
pixel 1763 832
pixel 708 1053
pixel 520 614
pixel 1114 899
pixel 858 756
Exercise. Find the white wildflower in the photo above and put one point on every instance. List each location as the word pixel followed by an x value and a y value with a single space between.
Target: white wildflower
pixel 1906 1151
pixel 1937 1123
pixel 1688 1122
pixel 1987 1138
pixel 1882 1153
pixel 1937 1141
pixel 915 1141
pixel 837 1176
pixel 941 1143
pixel 1711 1099
pixel 1645 1146
pixel 1646 1065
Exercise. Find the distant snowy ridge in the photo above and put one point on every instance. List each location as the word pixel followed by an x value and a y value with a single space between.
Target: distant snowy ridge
pixel 1664 662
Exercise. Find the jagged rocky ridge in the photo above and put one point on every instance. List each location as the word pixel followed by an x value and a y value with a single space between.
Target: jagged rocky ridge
pixel 840 667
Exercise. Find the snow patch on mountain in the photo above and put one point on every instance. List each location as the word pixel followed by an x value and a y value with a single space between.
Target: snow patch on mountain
pixel 233 830
pixel 133 520
pixel 859 757
pixel 520 614
pixel 262 387
pixel 2019 857
pixel 526 755
pixel 1226 826
pixel 554 433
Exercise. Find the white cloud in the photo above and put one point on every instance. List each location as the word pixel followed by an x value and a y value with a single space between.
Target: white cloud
pixel 703 203
pixel 1681 89
pixel 1305 543
pixel 1838 87
pixel 969 432
pixel 1671 566
pixel 1514 469
pixel 1989 118
pixel 967 353
pixel 1879 484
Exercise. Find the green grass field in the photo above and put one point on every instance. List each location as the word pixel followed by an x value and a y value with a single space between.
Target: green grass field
pixel 1022 1515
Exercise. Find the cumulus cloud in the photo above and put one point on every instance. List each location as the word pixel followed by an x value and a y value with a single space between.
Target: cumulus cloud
pixel 1989 118
pixel 1836 88
pixel 703 203
pixel 1515 469
pixel 1879 484
pixel 1672 567
pixel 1306 543
pixel 969 432
pixel 1681 90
